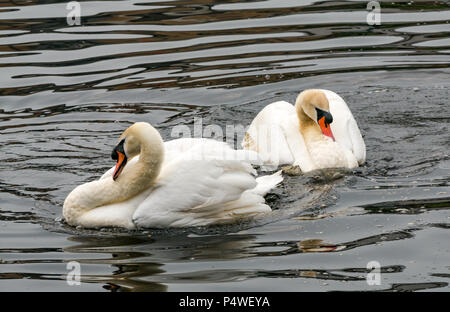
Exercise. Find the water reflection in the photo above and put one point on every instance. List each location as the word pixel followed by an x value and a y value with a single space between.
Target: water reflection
pixel 138 263
pixel 178 45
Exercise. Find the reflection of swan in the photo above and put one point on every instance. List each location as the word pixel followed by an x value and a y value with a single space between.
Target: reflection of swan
pixel 186 182
pixel 138 262
pixel 318 132
pixel 123 267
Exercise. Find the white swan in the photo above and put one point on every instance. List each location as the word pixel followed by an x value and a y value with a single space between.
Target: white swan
pixel 185 182
pixel 300 135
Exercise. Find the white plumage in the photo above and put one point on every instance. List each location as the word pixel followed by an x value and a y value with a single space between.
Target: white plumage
pixel 277 135
pixel 200 182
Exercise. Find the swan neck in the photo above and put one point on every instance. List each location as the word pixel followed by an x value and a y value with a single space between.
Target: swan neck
pixel 135 178
pixel 309 129
pixel 144 172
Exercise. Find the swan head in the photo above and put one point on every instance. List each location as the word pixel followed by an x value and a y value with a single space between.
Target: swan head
pixel 315 105
pixel 131 142
pixel 120 156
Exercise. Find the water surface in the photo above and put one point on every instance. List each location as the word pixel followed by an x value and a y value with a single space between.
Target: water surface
pixel 67 92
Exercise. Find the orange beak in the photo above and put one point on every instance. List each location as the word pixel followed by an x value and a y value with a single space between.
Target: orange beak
pixel 121 162
pixel 326 128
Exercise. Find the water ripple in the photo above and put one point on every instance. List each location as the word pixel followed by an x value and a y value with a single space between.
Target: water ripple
pixel 67 92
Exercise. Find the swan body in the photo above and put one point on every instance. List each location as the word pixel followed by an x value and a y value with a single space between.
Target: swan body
pixel 318 132
pixel 180 183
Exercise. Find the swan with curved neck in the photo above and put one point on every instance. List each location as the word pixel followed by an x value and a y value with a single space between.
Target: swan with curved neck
pixel 145 190
pixel 313 111
pixel 318 132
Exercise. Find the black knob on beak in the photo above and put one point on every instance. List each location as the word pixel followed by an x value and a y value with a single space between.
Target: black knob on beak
pixel 118 148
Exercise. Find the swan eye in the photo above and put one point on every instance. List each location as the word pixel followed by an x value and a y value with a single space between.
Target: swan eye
pixel 324 119
pixel 321 113
pixel 117 148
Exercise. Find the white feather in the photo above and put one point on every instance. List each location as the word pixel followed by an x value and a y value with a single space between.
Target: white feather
pixel 275 134
pixel 201 182
pixel 193 192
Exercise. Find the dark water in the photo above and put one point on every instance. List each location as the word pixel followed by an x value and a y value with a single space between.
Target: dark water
pixel 67 92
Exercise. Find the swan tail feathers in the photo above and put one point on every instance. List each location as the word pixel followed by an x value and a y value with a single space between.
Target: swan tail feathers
pixel 265 183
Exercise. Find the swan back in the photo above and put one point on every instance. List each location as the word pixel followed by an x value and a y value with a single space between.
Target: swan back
pixel 205 186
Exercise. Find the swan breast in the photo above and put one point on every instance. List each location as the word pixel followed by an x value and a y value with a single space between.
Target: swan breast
pixel 326 153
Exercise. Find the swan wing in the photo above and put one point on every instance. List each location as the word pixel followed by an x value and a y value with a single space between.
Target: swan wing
pixel 344 126
pixel 202 187
pixel 266 134
pixel 173 148
pixel 296 143
pixel 275 134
